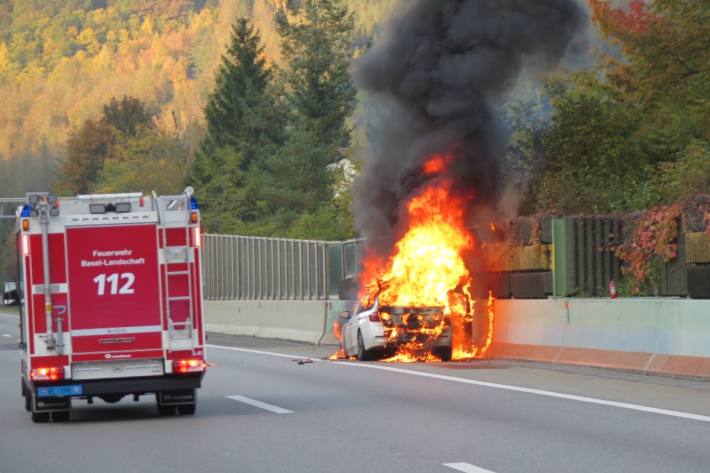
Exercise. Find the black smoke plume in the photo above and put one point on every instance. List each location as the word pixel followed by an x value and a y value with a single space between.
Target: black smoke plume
pixel 434 83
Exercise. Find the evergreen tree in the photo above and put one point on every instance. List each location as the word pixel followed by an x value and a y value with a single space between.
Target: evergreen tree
pixel 295 196
pixel 244 125
pixel 242 111
pixel 318 46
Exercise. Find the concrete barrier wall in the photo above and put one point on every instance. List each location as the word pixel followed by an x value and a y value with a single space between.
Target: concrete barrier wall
pixel 649 335
pixel 670 336
pixel 303 321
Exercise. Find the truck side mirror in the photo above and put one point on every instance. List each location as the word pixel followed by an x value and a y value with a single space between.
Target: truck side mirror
pixel 10 298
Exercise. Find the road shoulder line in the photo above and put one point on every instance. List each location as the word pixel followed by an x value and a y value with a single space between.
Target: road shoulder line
pixel 466 468
pixel 505 387
pixel 259 404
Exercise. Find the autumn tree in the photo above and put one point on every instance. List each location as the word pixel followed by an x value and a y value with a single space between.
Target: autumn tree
pixel 635 132
pixel 127 115
pixel 89 147
pixel 148 160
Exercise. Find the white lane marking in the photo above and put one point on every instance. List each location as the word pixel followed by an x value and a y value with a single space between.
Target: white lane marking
pixel 260 405
pixel 466 468
pixel 505 387
pixel 9 316
pixel 259 352
pixel 7 335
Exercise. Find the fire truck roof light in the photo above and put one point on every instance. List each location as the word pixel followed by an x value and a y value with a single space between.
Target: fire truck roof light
pixel 122 207
pixel 26 210
pixel 193 203
pixel 97 209
pixel 25 225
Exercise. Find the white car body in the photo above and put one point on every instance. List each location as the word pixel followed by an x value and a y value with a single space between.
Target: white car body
pixel 375 336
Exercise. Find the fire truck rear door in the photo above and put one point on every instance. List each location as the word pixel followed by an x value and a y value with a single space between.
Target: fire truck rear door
pixel 114 291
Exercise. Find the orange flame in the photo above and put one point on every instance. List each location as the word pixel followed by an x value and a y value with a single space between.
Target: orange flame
pixel 436 164
pixel 427 270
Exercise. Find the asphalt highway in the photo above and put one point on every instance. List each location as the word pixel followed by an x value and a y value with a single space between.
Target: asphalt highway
pixel 262 411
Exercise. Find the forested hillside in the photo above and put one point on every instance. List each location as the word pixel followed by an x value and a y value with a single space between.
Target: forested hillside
pixel 60 62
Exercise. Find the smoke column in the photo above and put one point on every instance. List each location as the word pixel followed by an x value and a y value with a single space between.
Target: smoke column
pixel 434 82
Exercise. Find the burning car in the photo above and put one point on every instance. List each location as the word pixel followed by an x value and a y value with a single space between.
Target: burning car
pixel 382 331
pixel 416 301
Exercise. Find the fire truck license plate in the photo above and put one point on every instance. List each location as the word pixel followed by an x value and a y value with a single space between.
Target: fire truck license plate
pixel 55 391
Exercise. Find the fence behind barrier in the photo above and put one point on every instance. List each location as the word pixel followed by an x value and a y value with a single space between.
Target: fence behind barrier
pixel 253 268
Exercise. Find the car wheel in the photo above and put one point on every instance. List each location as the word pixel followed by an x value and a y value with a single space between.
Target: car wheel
pixel 443 352
pixel 362 354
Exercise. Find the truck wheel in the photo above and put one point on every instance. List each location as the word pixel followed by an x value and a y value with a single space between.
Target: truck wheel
pixel 166 411
pixel 186 409
pixel 40 417
pixel 60 416
pixel 27 396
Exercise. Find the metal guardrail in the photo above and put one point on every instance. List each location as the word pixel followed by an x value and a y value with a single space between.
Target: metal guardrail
pixel 254 268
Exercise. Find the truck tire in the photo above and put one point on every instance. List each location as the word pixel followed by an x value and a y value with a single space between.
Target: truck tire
pixel 26 395
pixel 186 409
pixel 166 411
pixel 40 417
pixel 60 416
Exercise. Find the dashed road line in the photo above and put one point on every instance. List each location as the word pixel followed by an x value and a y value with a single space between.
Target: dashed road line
pixel 259 404
pixel 504 387
pixel 466 468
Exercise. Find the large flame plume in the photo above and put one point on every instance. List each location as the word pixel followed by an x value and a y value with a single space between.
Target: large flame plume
pixel 427 270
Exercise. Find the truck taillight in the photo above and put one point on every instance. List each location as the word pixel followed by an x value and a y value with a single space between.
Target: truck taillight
pixel 196 236
pixel 25 225
pixel 189 366
pixel 375 317
pixel 50 373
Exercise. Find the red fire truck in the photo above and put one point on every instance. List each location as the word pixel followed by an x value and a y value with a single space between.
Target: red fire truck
pixel 111 301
